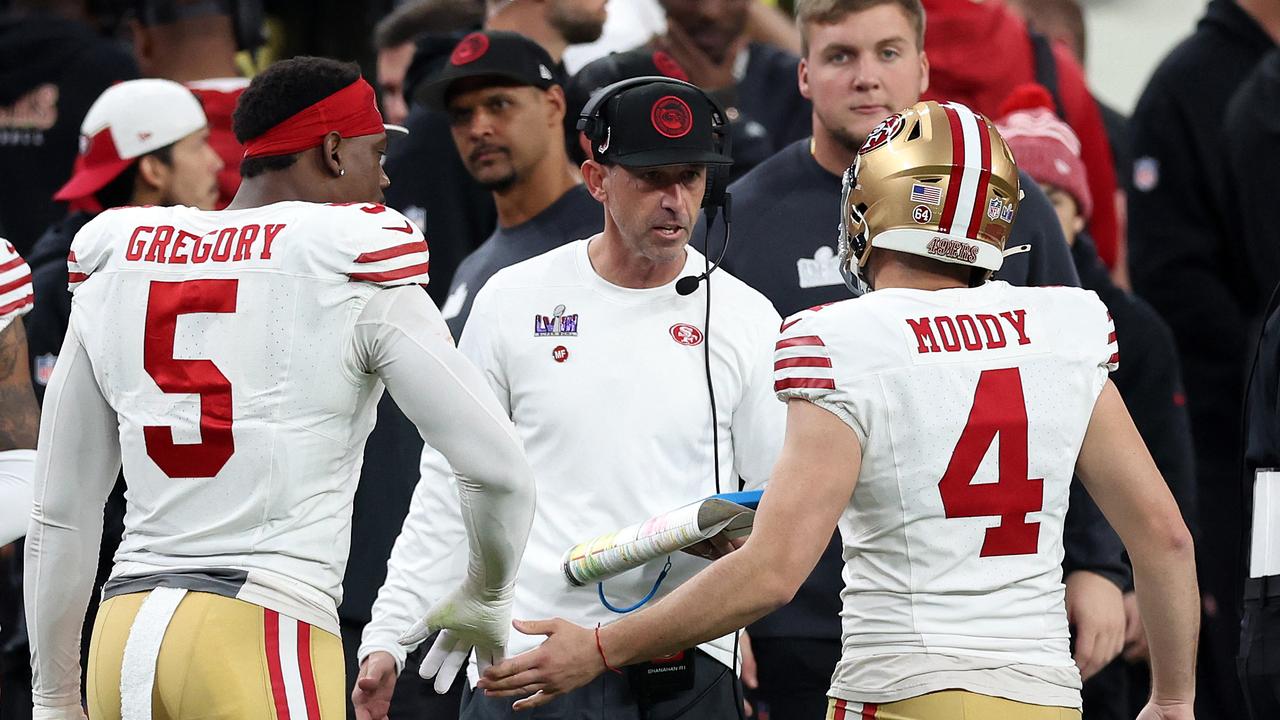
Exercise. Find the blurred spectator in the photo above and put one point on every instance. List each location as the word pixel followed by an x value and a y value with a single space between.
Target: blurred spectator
pixel 554 25
pixel 1251 134
pixel 606 71
pixel 1009 60
pixel 1252 138
pixel 863 59
pixel 394 38
pixel 52 67
pixel 194 42
pixel 1149 378
pixel 630 23
pixel 1260 631
pixel 755 82
pixel 507 113
pixel 1186 260
pixel 1062 21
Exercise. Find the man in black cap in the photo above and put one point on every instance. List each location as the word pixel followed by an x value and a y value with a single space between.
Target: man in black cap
pixel 608 389
pixel 506 110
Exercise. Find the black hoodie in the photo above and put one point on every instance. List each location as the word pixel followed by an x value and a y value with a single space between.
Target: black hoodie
pixel 51 71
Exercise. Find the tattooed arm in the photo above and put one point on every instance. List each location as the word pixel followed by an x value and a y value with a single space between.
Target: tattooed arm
pixel 19 425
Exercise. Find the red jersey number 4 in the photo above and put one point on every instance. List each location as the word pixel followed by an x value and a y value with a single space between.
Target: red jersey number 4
pixel 999 409
pixel 165 302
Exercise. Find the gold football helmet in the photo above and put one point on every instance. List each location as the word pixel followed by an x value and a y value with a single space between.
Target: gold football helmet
pixel 934 180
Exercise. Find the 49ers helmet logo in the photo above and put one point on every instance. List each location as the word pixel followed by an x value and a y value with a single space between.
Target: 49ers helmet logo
pixel 470 49
pixel 887 130
pixel 671 117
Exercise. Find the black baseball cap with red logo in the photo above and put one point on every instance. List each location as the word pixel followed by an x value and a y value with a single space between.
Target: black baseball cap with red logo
pixel 509 58
pixel 660 122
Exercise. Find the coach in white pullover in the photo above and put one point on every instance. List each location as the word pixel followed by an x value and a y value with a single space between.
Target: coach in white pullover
pixel 599 361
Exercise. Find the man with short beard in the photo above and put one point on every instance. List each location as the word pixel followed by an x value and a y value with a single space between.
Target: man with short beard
pixel 506 112
pixel 553 24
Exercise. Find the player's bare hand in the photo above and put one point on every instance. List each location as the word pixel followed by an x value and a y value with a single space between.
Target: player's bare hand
pixel 1135 633
pixel 1156 710
pixel 371 696
pixel 565 661
pixel 1095 608
pixel 715 547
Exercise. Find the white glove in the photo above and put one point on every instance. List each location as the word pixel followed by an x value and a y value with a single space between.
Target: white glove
pixel 63 712
pixel 466 620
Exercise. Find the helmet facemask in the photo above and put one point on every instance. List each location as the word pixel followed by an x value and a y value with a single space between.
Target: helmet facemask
pixel 852 245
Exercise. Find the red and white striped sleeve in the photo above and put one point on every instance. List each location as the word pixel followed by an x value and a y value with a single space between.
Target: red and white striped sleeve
pixel 16 295
pixel 801 363
pixel 1112 350
pixel 389 249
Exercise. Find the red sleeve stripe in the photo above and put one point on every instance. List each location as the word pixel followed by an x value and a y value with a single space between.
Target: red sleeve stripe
pixel 1115 358
pixel 393 252
pixel 1112 337
pixel 15 284
pixel 17 304
pixel 812 340
pixel 71 256
pixel 807 383
pixel 15 262
pixel 75 277
pixel 802 362
pixel 390 275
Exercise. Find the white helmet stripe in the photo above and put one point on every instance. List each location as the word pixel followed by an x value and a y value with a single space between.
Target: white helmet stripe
pixel 974 166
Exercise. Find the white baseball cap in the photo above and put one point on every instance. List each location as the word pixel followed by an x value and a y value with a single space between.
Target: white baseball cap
pixel 128 120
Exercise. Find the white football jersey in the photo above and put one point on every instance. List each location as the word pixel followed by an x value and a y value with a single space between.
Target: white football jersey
pixel 16 295
pixel 971 406
pixel 223 341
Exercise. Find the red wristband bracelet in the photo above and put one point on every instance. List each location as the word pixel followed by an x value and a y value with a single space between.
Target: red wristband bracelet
pixel 601 649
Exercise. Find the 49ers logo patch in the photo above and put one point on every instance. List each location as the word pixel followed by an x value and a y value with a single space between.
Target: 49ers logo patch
pixel 671 117
pixel 471 48
pixel 887 130
pixel 953 250
pixel 686 334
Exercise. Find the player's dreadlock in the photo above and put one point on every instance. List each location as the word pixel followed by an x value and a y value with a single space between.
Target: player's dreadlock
pixel 281 91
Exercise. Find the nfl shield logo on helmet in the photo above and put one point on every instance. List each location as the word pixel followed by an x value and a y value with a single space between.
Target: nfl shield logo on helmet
pixel 993 208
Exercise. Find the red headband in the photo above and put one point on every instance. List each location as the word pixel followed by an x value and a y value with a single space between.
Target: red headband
pixel 351 112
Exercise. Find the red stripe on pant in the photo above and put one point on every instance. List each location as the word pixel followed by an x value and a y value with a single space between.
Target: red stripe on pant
pixel 271 619
pixel 308 676
pixel 839 713
pixel 869 711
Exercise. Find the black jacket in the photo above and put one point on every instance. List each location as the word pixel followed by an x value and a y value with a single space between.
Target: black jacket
pixel 1149 378
pixel 1186 260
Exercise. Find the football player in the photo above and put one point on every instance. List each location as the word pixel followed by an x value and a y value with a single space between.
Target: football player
pixel 19 415
pixel 232 361
pixel 937 420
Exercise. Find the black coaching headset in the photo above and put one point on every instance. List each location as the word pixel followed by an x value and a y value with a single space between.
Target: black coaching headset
pixel 247 16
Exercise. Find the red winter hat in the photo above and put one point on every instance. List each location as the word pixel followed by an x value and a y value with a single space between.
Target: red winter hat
pixel 1043 145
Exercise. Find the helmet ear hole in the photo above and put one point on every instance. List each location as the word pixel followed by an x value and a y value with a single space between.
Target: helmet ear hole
pixel 915 132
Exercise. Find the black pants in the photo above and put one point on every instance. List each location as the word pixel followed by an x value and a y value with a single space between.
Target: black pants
pixel 1259 661
pixel 795 674
pixel 714 696
pixel 413 698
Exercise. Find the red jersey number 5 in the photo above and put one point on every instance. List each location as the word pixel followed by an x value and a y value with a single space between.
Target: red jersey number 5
pixel 165 302
pixel 999 408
